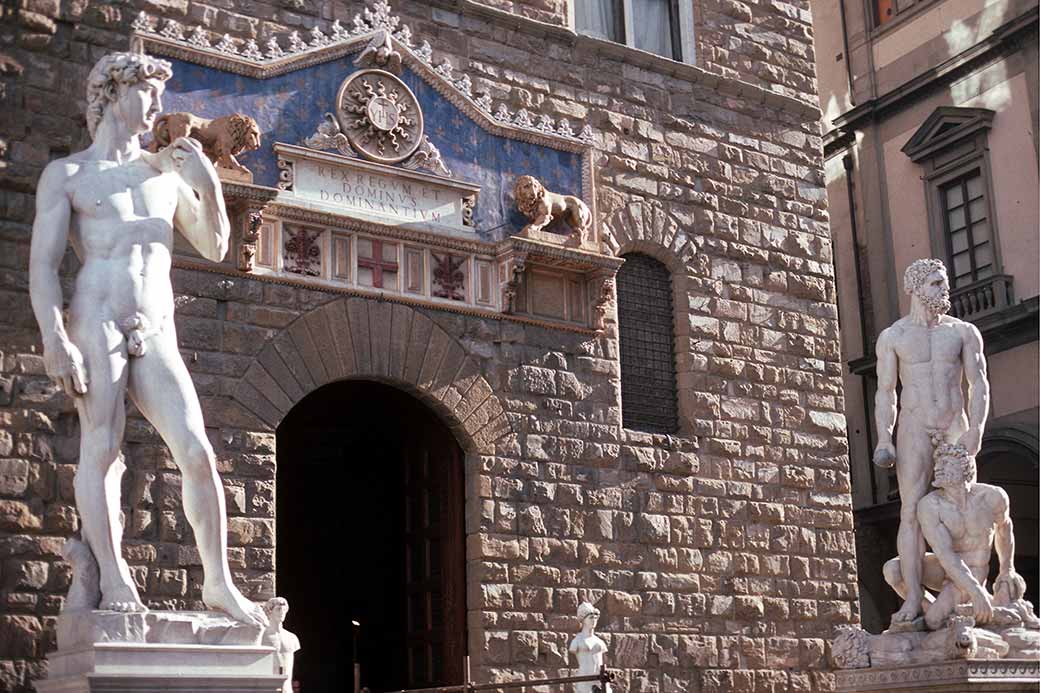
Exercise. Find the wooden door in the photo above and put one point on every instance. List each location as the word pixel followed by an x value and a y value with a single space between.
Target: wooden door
pixel 434 570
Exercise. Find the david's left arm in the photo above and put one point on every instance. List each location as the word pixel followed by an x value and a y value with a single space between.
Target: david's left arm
pixel 974 360
pixel 201 215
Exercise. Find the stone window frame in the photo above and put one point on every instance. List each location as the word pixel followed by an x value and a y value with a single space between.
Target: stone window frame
pixel 951 143
pixel 684 366
pixel 685 48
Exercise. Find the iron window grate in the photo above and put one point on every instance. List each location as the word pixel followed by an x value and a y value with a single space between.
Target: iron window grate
pixel 647 344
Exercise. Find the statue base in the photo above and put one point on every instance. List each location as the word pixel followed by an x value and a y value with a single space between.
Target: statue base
pixel 108 651
pixel 961 676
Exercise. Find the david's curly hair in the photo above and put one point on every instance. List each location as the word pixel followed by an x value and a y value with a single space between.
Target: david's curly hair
pixel 115 69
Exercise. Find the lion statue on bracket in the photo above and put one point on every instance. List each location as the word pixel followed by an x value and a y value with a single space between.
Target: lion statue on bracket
pixel 543 206
pixel 221 138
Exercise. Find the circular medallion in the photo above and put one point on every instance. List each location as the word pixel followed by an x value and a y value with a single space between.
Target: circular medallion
pixel 380 116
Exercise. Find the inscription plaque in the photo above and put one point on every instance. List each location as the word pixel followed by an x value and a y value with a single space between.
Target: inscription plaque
pixel 360 188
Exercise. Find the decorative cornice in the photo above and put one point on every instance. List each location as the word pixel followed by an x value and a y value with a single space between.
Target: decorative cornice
pixel 560 256
pixel 375 22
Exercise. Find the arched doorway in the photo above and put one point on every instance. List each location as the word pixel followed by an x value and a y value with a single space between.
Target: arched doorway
pixel 370 502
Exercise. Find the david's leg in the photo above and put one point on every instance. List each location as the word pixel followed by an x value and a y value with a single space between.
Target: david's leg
pixel 102 417
pixel 913 470
pixel 161 387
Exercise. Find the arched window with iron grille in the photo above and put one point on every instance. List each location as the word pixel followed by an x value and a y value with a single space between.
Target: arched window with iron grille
pixel 647 343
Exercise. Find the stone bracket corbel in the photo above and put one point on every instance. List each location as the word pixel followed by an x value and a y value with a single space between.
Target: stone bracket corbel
pixel 246 206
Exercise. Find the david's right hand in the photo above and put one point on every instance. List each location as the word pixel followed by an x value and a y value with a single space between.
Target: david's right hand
pixel 885 455
pixel 64 364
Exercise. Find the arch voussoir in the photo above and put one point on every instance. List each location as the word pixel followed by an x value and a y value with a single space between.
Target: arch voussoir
pixel 308 351
pixel 317 322
pixel 358 338
pixel 379 317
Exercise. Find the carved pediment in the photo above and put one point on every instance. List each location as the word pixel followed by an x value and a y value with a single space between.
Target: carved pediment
pixel 387 170
pixel 944 127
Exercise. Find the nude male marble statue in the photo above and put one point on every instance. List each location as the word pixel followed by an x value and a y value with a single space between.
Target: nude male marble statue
pixel 588 647
pixel 963 521
pixel 119 206
pixel 930 354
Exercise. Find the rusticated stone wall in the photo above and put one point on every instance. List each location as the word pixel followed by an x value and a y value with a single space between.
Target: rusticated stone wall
pixel 721 557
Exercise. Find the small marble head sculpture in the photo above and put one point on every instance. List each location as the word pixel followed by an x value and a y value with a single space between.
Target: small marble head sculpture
pixel 953 465
pixel 585 610
pixel 114 70
pixel 276 609
pixel 915 284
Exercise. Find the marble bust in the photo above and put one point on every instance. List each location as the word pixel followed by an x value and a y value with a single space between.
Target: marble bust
pixel 286 644
pixel 119 206
pixel 587 647
pixel 929 353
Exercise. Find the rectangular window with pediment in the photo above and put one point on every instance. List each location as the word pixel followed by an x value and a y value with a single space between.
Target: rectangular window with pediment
pixel 951 148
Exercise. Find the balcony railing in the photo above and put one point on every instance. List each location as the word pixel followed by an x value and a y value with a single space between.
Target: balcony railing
pixel 981 298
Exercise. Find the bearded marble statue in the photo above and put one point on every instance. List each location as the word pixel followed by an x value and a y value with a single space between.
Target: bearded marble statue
pixel 948 610
pixel 119 206
pixel 930 354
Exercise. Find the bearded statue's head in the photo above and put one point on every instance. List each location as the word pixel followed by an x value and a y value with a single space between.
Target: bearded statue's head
pixel 953 465
pixel 926 280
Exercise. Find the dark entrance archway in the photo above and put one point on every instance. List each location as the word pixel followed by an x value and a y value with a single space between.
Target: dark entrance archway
pixel 370 503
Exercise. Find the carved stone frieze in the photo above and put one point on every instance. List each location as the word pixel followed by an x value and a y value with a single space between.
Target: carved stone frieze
pixel 328 135
pixel 428 157
pixel 250 236
pixel 285 174
pixel 301 250
pixel 380 53
pixel 384 42
pixel 511 285
pixel 380 116
pixel 449 276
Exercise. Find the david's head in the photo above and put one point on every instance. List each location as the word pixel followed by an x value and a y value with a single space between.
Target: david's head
pixel 131 86
pixel 953 466
pixel 926 281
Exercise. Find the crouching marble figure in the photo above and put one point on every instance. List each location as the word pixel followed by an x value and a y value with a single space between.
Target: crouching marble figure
pixel 120 205
pixel 961 520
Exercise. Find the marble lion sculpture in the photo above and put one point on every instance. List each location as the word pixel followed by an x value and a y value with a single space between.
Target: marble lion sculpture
pixel 542 206
pixel 221 138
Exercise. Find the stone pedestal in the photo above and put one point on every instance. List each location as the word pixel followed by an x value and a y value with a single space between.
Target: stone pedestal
pixel 961 676
pixel 106 652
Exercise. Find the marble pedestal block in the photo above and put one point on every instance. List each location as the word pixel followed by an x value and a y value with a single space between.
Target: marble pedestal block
pixel 109 652
pixel 960 676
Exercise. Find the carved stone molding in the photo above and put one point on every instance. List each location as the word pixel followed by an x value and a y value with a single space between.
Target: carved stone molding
pixel 953 677
pixel 329 135
pixel 286 174
pixel 380 116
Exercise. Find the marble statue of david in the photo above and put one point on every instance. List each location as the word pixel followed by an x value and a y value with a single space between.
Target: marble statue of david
pixel 119 206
